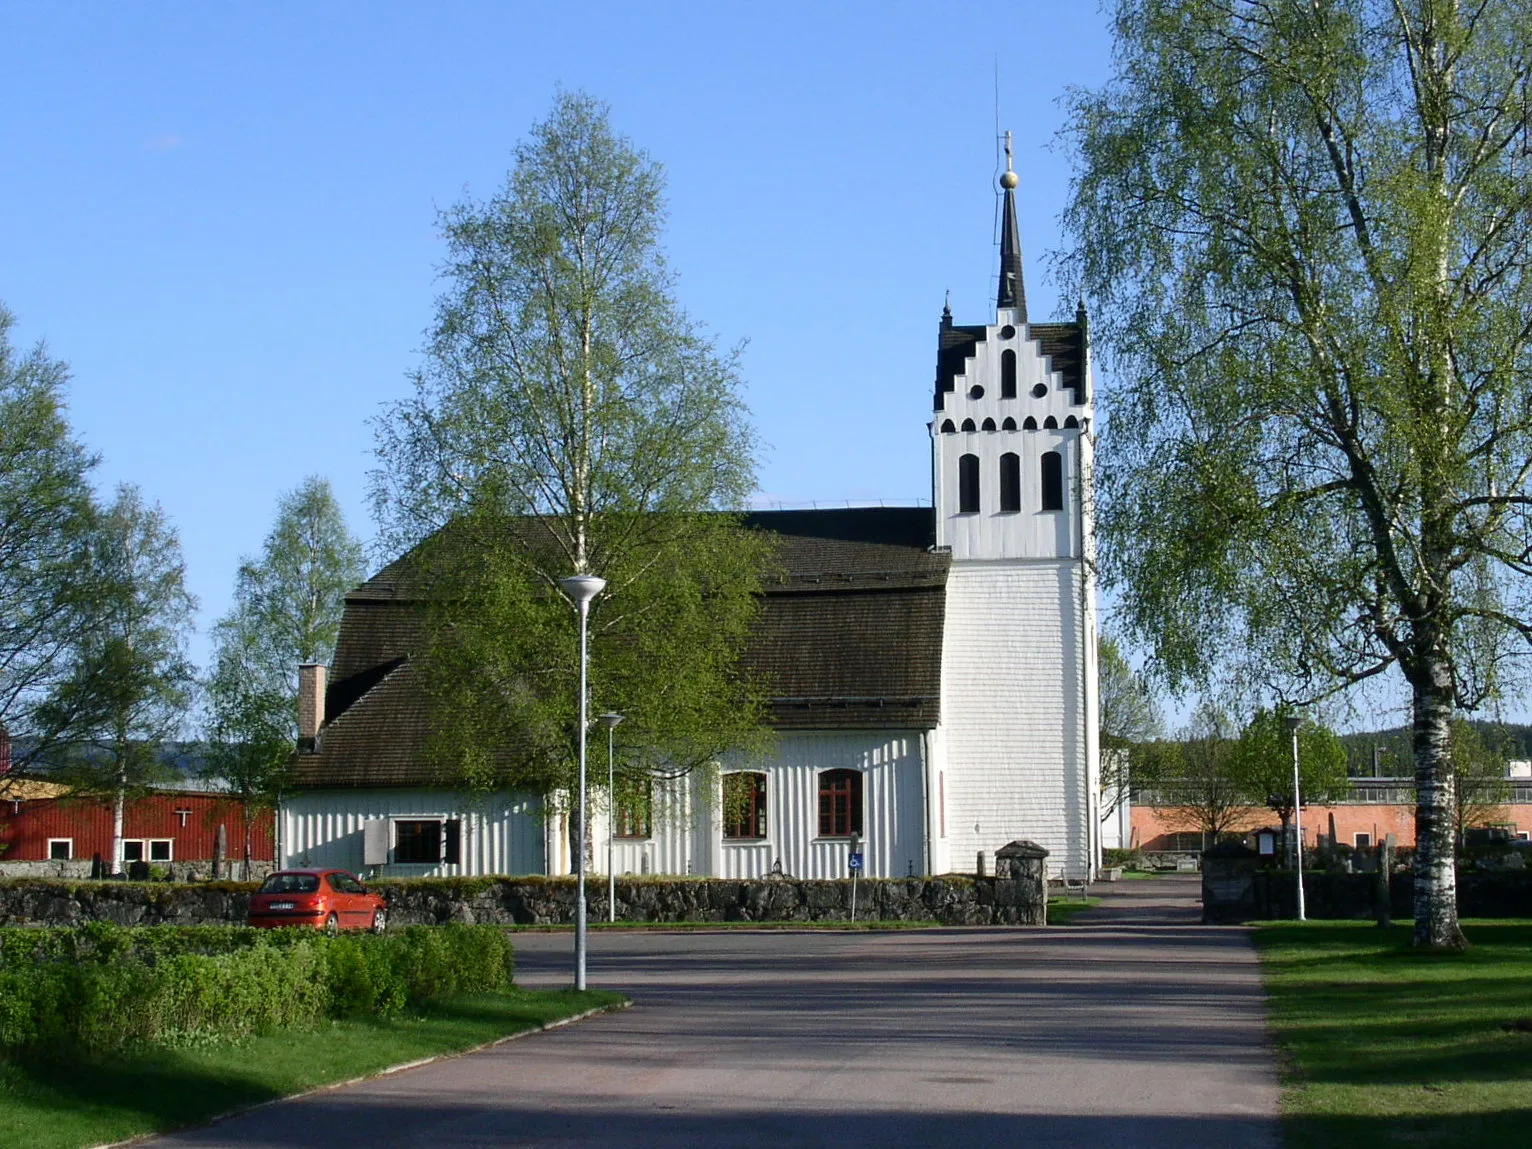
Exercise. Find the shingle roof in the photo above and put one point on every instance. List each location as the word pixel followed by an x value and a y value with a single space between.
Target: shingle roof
pixel 1062 343
pixel 849 637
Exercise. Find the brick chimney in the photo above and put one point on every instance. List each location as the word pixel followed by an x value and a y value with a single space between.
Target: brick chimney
pixel 311 683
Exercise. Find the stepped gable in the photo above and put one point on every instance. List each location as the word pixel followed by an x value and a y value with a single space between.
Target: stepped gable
pixel 849 637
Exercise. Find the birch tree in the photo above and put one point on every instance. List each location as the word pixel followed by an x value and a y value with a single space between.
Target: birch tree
pixel 571 418
pixel 1305 225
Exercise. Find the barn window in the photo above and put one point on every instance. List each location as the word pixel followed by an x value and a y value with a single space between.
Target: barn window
pixel 160 849
pixel 1008 374
pixel 840 803
pixel 1053 481
pixel 948 427
pixel 968 425
pixel 968 485
pixel 60 849
pixel 1010 483
pixel 635 803
pixel 744 805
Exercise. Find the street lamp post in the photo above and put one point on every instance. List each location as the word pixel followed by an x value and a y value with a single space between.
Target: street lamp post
pixel 1292 727
pixel 582 588
pixel 610 721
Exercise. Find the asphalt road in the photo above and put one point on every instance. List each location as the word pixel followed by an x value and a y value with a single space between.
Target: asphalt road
pixel 1136 1027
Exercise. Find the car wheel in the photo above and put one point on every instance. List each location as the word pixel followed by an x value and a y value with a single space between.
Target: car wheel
pixel 379 921
pixel 332 925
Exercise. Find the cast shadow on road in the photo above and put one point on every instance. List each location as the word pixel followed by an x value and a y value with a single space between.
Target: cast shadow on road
pixel 338 1123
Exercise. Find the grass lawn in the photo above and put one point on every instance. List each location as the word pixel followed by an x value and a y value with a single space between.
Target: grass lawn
pixel 73 1104
pixel 1384 1046
pixel 876 924
pixel 1061 911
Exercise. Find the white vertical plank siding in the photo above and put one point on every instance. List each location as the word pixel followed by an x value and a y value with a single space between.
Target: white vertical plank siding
pixel 501 833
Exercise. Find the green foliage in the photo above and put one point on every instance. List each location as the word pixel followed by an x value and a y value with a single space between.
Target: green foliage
pixel 288 603
pixel 1480 786
pixel 47 519
pixel 1306 229
pixel 1264 759
pixel 101 987
pixel 130 683
pixel 571 418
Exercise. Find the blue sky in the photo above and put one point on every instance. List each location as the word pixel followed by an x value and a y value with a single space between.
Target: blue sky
pixel 224 216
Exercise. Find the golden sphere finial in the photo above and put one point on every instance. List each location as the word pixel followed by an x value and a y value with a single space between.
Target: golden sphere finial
pixel 1009 180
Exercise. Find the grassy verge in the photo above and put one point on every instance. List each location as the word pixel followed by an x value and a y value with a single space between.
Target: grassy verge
pixel 70 1104
pixel 1062 911
pixel 1385 1046
pixel 876 924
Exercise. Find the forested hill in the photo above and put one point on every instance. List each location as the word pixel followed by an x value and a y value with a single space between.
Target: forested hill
pixel 1387 753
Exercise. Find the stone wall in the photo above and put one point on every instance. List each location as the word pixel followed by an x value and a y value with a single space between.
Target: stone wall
pixel 1272 895
pixel 550 901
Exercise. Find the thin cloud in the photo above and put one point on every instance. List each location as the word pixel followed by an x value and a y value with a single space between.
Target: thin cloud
pixel 165 143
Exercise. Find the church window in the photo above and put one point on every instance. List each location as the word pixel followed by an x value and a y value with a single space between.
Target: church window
pixel 635 803
pixel 1008 332
pixel 1050 424
pixel 1008 374
pixel 976 391
pixel 1072 423
pixel 840 803
pixel 1040 390
pixel 1010 483
pixel 989 424
pixel 948 426
pixel 1053 481
pixel 968 485
pixel 968 425
pixel 744 805
pixel 1009 424
pixel 1029 424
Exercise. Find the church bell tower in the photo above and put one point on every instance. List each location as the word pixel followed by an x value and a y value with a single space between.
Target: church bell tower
pixel 1011 454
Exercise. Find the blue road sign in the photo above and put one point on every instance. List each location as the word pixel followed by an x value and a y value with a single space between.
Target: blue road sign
pixel 855 862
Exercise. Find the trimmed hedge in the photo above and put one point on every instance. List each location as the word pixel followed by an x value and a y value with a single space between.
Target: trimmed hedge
pixel 99 987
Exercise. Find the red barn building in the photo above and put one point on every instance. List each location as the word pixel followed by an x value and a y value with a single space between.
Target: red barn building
pixel 40 822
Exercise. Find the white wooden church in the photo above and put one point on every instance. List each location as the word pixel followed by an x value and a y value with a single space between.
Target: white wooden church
pixel 933 670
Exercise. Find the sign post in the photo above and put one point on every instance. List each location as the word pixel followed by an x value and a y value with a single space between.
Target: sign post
pixel 854 861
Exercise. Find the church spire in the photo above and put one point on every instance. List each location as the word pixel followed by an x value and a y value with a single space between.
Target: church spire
pixel 1012 292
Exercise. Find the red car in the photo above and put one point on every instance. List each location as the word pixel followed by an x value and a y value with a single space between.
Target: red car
pixel 329 900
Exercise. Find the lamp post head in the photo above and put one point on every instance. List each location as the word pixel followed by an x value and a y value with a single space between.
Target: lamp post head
pixel 1292 722
pixel 582 587
pixel 609 720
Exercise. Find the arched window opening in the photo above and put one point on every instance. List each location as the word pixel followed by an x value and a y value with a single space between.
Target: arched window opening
pixel 1050 424
pixel 1009 424
pixel 1053 481
pixel 1010 483
pixel 634 808
pixel 968 425
pixel 744 805
pixel 989 424
pixel 948 427
pixel 1008 374
pixel 968 485
pixel 1029 424
pixel 1072 423
pixel 840 803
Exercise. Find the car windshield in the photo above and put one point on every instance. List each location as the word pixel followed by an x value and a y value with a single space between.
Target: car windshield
pixel 290 884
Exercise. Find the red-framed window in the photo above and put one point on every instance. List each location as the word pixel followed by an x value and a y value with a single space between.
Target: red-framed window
pixel 840 803
pixel 744 805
